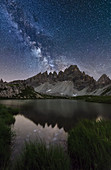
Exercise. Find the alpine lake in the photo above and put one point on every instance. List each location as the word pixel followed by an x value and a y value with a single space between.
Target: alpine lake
pixel 50 119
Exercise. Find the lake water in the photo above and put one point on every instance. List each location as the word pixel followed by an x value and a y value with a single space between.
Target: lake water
pixel 51 119
pixel 65 113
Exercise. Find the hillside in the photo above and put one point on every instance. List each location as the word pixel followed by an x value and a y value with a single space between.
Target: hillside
pixel 17 90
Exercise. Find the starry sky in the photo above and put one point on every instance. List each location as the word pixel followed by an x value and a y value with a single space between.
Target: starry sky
pixel 40 35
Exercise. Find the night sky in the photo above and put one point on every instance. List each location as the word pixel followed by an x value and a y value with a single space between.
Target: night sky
pixel 40 35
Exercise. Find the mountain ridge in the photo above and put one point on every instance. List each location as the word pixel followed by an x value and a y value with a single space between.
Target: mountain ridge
pixel 65 75
pixel 70 82
pixel 81 82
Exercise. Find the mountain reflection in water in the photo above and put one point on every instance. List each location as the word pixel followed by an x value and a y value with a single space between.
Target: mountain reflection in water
pixel 65 113
pixel 27 131
pixel 51 119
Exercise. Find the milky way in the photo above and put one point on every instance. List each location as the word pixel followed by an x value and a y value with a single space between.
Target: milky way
pixel 50 35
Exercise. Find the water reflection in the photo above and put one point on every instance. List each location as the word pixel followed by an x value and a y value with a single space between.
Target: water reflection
pixel 65 113
pixel 49 120
pixel 26 130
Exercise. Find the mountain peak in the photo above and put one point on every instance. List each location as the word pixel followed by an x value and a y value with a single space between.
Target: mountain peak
pixel 104 80
pixel 72 69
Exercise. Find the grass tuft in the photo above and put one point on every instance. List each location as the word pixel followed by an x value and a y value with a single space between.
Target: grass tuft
pixel 89 145
pixel 37 156
pixel 6 119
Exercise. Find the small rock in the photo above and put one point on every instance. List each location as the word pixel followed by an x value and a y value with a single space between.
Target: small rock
pixel 35 130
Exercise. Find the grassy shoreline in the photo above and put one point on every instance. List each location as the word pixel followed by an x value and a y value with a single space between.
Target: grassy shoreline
pixel 95 99
pixel 86 98
pixel 38 156
pixel 89 147
pixel 6 135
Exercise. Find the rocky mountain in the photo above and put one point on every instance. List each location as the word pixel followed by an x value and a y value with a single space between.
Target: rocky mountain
pixel 103 80
pixel 70 82
pixel 17 89
pixel 80 79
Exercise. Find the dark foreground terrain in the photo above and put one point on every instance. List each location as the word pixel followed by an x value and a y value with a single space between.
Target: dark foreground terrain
pixel 88 147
